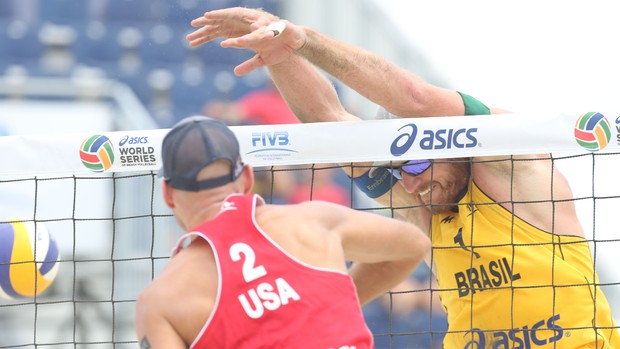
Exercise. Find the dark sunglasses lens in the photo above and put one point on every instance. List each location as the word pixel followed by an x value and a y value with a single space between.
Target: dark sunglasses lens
pixel 416 167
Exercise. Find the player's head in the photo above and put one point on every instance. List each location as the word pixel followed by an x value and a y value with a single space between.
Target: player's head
pixel 194 152
pixel 439 184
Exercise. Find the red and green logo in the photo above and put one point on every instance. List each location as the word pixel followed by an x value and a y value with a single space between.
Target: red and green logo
pixel 97 153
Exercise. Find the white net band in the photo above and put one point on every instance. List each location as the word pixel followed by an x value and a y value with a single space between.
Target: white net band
pixel 337 142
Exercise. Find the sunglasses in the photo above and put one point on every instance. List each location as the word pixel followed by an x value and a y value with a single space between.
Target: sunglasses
pixel 411 167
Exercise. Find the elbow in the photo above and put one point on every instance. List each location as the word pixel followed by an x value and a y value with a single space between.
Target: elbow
pixel 423 248
pixel 416 100
pixel 427 246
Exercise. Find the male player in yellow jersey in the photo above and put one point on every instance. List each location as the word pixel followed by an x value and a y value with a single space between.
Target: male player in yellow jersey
pixel 509 254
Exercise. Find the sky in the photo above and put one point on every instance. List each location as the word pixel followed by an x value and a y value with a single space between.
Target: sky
pixel 525 55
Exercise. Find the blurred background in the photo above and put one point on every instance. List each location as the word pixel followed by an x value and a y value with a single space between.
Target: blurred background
pixel 132 52
pixel 113 65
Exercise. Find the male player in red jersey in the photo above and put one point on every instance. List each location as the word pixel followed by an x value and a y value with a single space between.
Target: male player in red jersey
pixel 251 275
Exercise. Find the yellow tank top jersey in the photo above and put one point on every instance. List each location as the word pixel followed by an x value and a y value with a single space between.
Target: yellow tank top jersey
pixel 507 284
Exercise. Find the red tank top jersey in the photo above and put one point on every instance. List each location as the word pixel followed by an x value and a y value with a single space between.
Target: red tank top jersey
pixel 267 298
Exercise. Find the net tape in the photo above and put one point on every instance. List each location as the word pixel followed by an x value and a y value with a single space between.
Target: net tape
pixel 327 142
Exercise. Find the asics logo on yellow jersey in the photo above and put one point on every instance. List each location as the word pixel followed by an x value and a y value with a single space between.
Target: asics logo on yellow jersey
pixel 517 338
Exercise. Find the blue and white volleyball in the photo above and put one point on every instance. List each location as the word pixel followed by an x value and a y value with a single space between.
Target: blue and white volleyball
pixel 29 259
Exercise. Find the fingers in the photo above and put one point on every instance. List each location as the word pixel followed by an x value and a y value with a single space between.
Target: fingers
pixel 230 23
pixel 243 28
pixel 201 36
pixel 241 13
pixel 199 22
pixel 249 66
pixel 230 13
pixel 250 40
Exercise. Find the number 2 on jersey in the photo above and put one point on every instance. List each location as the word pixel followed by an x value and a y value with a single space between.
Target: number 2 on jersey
pixel 250 272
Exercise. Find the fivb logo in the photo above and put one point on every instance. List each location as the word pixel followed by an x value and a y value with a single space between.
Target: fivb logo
pixel 524 337
pixel 446 138
pixel 270 140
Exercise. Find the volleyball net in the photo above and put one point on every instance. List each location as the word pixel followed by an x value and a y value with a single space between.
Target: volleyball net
pixel 99 197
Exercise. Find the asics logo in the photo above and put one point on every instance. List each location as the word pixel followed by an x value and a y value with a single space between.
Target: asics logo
pixel 446 138
pixel 517 338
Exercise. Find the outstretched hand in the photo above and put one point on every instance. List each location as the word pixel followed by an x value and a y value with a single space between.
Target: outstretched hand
pixel 247 29
pixel 228 23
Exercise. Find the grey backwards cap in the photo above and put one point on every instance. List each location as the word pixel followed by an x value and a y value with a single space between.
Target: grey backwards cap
pixel 194 143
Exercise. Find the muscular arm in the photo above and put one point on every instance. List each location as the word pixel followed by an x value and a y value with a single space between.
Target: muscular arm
pixel 532 188
pixel 400 92
pixel 153 330
pixel 373 76
pixel 309 94
pixel 385 250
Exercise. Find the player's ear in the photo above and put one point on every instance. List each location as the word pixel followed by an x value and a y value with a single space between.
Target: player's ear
pixel 248 178
pixel 167 194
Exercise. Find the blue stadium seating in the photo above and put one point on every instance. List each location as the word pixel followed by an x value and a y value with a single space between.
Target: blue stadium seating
pixel 63 11
pixel 130 11
pixel 5 10
pixel 164 43
pixel 155 28
pixel 97 42
pixel 25 46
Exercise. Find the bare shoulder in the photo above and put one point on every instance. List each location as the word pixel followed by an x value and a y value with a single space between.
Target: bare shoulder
pixel 305 217
pixel 166 308
pixel 306 231
pixel 511 165
pixel 516 177
pixel 194 265
pixel 531 187
pixel 508 166
pixel 519 178
pixel 304 210
pixel 147 296
pixel 149 305
pixel 158 289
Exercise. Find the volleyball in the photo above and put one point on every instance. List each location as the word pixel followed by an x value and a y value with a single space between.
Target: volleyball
pixel 29 259
pixel 592 131
pixel 97 153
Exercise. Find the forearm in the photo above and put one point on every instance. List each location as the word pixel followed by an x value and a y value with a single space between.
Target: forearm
pixel 399 91
pixel 309 94
pixel 369 74
pixel 374 279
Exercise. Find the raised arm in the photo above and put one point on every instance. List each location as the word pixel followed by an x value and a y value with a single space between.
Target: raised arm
pixel 309 94
pixel 397 90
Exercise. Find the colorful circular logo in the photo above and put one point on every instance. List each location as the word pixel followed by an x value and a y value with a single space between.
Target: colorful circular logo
pixel 97 153
pixel 592 131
